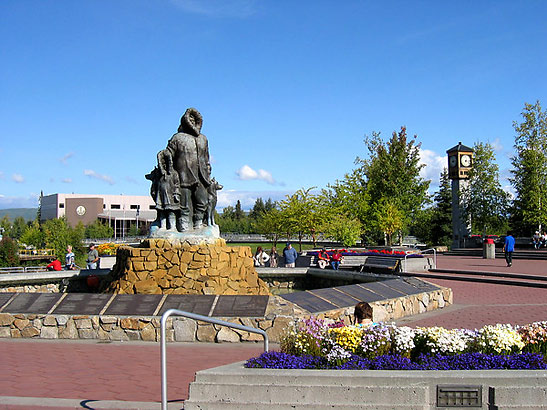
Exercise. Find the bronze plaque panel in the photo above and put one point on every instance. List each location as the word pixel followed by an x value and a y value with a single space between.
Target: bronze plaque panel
pixel 199 304
pixel 309 302
pixel 82 304
pixel 241 306
pixel 421 285
pixel 39 303
pixel 134 305
pixel 382 288
pixel 360 293
pixel 402 286
pixel 4 297
pixel 335 297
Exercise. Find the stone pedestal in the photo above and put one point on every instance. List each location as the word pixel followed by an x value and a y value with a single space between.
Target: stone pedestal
pixel 161 266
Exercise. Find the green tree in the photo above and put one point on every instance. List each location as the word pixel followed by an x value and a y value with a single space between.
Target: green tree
pixel 300 214
pixel 57 235
pixel 392 172
pixel 5 226
pixel 530 170
pixel 239 214
pixel 270 224
pixel 33 235
pixel 389 217
pixel 441 222
pixel 9 252
pixel 258 209
pixel 97 229
pixel 19 226
pixel 342 228
pixel 485 202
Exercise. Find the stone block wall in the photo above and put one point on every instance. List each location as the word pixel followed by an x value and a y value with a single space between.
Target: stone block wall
pixel 160 266
pixel 279 313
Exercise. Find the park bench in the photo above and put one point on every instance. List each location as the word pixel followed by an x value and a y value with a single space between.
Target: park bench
pixel 347 261
pixel 381 264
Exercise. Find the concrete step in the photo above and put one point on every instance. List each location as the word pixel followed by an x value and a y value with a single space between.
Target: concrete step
pixel 192 405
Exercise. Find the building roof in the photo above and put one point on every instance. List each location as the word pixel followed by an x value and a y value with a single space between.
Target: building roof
pixel 460 147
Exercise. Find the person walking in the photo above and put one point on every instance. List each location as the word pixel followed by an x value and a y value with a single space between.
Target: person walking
pixel 509 248
pixel 290 255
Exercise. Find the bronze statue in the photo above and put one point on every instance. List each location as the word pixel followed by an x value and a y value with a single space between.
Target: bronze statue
pixel 182 188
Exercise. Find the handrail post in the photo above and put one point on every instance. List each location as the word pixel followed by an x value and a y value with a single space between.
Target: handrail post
pixel 195 316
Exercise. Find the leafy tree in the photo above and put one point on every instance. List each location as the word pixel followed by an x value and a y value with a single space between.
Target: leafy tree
pixel 392 172
pixel 269 205
pixel 270 224
pixel 342 228
pixel 5 226
pixel 57 235
pixel 300 214
pixel 9 252
pixel 239 214
pixel 18 227
pixel 258 209
pixel 98 229
pixel 530 170
pixel 33 235
pixel 389 217
pixel 485 202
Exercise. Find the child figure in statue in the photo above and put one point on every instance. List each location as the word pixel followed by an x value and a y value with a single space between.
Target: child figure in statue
pixel 165 191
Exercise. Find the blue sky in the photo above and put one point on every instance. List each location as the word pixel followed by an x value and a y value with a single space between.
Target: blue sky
pixel 90 91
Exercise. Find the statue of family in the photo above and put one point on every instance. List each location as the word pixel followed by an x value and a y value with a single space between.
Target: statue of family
pixel 182 187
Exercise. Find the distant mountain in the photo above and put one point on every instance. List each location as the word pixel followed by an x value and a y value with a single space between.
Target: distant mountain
pixel 29 214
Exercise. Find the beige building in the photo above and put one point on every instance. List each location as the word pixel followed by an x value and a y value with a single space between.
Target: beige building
pixel 119 211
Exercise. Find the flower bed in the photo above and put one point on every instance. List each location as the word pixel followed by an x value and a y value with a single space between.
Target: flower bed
pixel 314 344
pixel 371 252
pixel 107 249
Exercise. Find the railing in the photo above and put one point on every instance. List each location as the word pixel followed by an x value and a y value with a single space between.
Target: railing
pixel 424 251
pixel 33 253
pixel 194 316
pixel 23 269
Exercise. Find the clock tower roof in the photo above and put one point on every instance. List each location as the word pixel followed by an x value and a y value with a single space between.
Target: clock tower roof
pixel 459 148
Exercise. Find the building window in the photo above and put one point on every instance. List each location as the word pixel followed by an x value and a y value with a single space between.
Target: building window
pixel 134 206
pixel 152 207
pixel 61 205
pixel 115 206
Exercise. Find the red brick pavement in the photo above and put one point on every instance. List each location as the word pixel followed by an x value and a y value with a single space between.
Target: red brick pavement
pixel 114 371
pixel 479 304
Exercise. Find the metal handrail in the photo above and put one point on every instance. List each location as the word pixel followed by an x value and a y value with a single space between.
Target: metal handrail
pixel 194 316
pixel 424 251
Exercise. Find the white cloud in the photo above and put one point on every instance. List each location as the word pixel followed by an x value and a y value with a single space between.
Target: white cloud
pixel 30 201
pixel 92 174
pixel 434 164
pixel 497 145
pixel 66 157
pixel 18 178
pixel 246 173
pixel 66 180
pixel 218 8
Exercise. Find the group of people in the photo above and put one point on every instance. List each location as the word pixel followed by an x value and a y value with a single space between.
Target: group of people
pixel 539 240
pixel 70 264
pixel 334 259
pixel 262 259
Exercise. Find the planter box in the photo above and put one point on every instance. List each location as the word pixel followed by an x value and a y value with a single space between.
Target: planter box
pixel 233 386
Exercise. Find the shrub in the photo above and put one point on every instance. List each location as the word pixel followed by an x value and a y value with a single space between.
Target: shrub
pixel 9 252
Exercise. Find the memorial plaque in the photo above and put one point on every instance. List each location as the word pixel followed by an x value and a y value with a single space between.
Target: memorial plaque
pixel 335 297
pixel 241 306
pixel 309 302
pixel 360 293
pixel 422 285
pixel 133 305
pixel 82 304
pixel 4 298
pixel 39 303
pixel 199 304
pixel 402 286
pixel 382 288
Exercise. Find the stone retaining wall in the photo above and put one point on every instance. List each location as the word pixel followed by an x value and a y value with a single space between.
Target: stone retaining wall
pixel 160 266
pixel 279 314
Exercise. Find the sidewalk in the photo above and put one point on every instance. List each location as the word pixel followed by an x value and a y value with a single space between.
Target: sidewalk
pixel 79 374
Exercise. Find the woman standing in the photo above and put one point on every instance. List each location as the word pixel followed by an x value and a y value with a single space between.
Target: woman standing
pixel 261 257
pixel 273 257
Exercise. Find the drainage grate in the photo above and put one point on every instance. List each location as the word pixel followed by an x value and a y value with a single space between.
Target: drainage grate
pixel 459 396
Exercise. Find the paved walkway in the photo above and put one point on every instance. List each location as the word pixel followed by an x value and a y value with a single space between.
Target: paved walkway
pixel 93 375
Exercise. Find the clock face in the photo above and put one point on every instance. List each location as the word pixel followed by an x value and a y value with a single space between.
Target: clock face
pixel 465 160
pixel 453 161
pixel 80 210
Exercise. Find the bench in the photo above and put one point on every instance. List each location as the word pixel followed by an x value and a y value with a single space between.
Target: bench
pixel 347 261
pixel 381 263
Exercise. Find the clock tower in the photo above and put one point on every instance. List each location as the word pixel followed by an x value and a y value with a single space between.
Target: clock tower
pixel 460 162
